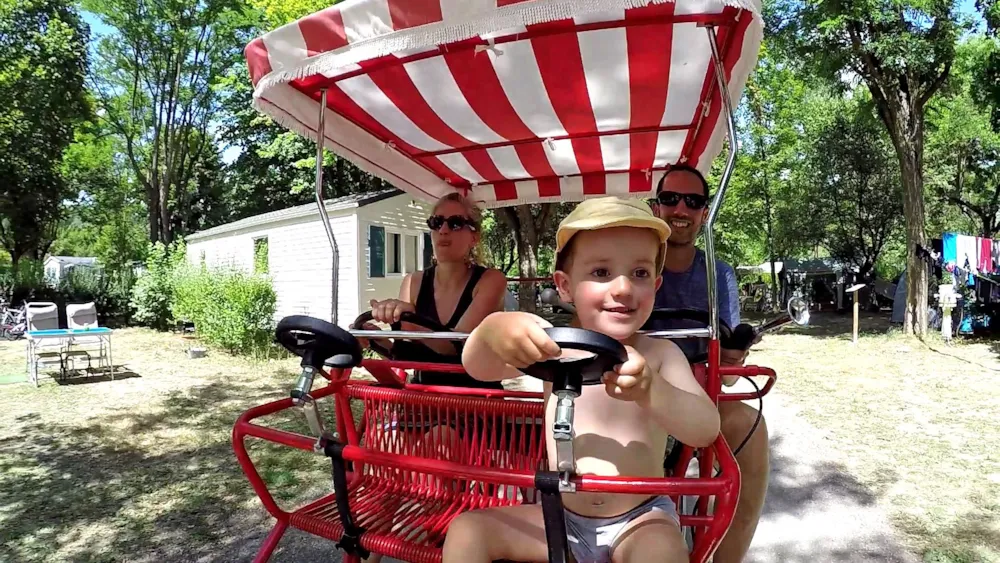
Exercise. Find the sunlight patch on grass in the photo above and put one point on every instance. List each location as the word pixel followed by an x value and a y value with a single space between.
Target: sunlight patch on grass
pixel 918 424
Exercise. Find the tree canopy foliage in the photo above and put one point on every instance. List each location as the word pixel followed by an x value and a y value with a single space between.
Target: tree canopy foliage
pixel 43 62
pixel 867 127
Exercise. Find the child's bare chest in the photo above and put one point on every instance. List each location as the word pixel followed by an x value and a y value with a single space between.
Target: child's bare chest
pixel 613 437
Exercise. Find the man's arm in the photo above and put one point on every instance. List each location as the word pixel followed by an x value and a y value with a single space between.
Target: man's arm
pixel 729 311
pixel 677 402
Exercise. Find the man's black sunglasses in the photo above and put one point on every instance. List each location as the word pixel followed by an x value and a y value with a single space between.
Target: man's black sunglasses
pixel 670 199
pixel 455 222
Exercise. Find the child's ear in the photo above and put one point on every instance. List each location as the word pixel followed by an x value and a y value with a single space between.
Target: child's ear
pixel 562 286
pixel 659 282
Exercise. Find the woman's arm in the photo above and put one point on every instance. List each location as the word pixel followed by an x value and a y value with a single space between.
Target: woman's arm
pixel 487 298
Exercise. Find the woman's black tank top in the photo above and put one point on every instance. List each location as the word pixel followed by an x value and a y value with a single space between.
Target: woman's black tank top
pixel 426 307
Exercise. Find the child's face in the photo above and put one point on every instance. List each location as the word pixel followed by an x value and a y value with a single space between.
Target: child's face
pixel 612 279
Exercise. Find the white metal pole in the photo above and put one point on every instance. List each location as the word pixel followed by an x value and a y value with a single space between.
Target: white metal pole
pixel 320 139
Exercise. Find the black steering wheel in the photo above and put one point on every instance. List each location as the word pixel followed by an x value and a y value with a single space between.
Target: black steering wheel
pixel 572 373
pixel 412 318
pixel 318 342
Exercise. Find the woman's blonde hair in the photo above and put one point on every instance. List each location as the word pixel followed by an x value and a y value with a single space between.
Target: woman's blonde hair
pixel 474 213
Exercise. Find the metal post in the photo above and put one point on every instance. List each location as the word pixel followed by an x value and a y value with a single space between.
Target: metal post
pixel 320 139
pixel 727 106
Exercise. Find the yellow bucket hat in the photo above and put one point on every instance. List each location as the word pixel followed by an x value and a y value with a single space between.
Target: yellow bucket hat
pixel 608 212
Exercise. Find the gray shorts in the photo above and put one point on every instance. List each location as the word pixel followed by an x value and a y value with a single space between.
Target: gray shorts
pixel 591 539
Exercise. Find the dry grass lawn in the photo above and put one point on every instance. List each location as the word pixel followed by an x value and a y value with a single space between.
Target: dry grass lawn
pixel 141 469
pixel 917 424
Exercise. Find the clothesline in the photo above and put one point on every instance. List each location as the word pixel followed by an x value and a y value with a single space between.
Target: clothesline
pixel 936 259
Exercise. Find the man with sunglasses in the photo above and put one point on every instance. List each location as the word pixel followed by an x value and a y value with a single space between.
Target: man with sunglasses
pixel 682 199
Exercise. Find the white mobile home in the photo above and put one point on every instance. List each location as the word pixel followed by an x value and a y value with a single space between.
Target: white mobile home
pixel 58 267
pixel 381 236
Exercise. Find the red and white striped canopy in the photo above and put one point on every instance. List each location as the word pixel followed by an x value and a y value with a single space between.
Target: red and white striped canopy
pixel 512 101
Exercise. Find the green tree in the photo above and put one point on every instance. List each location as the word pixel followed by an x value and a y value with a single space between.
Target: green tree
pixel 498 242
pixel 156 80
pixel 774 97
pixel 275 168
pixel 106 216
pixel 903 52
pixel 854 185
pixel 964 168
pixel 43 61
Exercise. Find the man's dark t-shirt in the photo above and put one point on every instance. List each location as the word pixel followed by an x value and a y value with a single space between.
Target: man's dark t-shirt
pixel 689 290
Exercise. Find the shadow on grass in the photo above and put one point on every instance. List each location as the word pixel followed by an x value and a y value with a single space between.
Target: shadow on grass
pixel 841 325
pixel 964 538
pixel 805 508
pixel 123 486
pixel 793 485
pixel 97 376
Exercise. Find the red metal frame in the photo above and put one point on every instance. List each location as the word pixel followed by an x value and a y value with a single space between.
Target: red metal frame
pixel 319 517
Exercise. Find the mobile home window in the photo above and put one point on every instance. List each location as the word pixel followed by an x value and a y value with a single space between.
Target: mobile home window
pixel 393 249
pixel 376 252
pixel 411 253
pixel 260 258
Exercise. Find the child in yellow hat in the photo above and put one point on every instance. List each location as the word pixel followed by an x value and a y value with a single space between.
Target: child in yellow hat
pixel 609 255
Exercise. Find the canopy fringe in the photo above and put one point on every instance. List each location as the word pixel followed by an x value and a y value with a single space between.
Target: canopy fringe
pixel 508 17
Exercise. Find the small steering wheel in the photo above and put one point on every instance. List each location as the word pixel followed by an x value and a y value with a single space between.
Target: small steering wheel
pixel 571 373
pixel 411 318
pixel 318 342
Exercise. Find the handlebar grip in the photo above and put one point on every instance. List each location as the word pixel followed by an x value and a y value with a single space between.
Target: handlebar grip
pixel 741 338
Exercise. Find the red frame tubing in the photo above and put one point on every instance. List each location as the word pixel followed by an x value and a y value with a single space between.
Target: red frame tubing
pixel 724 488
pixel 748 371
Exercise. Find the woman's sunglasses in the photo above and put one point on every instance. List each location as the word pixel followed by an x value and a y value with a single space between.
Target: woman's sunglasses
pixel 455 222
pixel 671 199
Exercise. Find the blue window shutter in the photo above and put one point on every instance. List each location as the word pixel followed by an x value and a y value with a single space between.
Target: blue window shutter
pixel 376 252
pixel 428 251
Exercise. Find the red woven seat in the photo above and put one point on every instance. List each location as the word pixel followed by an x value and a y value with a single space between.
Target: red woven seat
pixel 405 521
pixel 419 458
pixel 404 513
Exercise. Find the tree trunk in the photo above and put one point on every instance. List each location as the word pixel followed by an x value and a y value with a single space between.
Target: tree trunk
pixel 527 243
pixel 910 152
pixel 153 207
pixel 164 205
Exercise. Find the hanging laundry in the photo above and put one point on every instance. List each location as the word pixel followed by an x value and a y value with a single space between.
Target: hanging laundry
pixel 968 256
pixel 985 255
pixel 949 248
pixel 996 256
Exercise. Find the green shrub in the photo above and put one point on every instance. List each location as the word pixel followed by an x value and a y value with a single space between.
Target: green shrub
pixel 230 309
pixel 153 292
pixel 109 290
pixel 111 293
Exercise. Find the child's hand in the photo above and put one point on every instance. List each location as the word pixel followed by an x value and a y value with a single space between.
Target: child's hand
pixel 518 339
pixel 630 381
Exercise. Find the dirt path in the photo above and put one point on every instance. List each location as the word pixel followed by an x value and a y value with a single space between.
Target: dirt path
pixel 815 511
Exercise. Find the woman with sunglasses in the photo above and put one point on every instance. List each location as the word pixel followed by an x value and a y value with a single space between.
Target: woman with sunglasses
pixel 457 291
